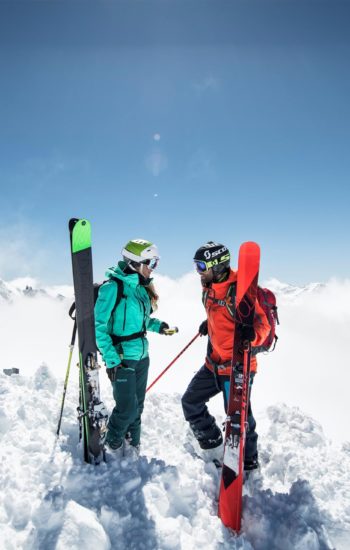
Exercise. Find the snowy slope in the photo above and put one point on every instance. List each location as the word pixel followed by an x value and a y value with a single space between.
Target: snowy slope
pixel 166 499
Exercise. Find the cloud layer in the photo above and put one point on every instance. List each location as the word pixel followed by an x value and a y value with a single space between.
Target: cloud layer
pixel 308 368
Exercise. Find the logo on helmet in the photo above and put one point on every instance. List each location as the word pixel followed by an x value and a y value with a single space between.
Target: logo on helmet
pixel 141 241
pixel 218 252
pixel 211 255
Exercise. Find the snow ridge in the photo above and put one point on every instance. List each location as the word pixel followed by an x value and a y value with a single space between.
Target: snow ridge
pixel 168 498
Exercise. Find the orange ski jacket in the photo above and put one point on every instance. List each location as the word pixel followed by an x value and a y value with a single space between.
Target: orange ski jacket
pixel 221 326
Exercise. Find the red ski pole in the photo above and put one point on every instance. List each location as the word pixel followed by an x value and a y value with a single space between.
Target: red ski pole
pixel 173 361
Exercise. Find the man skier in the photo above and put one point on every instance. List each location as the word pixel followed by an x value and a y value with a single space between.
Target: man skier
pixel 212 262
pixel 121 339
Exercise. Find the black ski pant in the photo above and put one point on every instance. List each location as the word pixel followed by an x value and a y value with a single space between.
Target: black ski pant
pixel 203 386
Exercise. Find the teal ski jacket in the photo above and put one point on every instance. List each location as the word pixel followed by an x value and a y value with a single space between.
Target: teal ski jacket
pixel 131 315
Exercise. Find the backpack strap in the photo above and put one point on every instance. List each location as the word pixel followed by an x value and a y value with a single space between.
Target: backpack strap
pixel 229 302
pixel 120 294
pixel 119 339
pixel 274 344
pixel 274 309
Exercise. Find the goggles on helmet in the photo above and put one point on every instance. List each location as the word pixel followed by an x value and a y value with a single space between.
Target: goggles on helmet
pixel 152 263
pixel 202 266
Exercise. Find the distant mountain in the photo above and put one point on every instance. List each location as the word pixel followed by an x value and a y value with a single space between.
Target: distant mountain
pixel 27 287
pixel 5 292
pixel 291 292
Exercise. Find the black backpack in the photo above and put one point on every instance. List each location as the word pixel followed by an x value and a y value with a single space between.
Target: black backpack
pixel 120 294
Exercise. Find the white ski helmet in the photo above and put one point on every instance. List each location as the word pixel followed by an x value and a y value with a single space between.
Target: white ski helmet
pixel 139 251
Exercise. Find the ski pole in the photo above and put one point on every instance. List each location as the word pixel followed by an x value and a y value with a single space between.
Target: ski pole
pixel 71 347
pixel 172 362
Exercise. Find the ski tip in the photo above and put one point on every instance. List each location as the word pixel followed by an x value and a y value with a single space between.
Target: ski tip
pixel 72 223
pixel 80 230
pixel 249 252
pixel 250 245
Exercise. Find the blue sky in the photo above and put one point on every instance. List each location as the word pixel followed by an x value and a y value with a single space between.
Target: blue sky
pixel 179 122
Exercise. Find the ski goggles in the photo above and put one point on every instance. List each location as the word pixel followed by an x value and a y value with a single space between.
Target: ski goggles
pixel 202 266
pixel 152 263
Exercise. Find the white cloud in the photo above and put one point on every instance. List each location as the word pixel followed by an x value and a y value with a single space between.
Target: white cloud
pixel 308 369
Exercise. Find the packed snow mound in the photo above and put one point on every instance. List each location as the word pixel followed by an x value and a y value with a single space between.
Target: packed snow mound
pixel 167 499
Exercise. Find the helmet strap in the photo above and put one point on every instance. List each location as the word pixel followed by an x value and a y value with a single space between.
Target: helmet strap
pixel 141 269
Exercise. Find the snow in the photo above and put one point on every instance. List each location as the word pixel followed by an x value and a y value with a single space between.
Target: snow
pixel 167 499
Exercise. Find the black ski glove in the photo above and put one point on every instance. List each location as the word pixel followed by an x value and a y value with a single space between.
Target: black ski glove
pixel 163 327
pixel 112 373
pixel 248 333
pixel 203 328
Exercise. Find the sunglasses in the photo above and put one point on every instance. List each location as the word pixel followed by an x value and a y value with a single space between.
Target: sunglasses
pixel 152 263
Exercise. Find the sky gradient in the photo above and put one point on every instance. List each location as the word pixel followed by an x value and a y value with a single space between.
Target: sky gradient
pixel 178 122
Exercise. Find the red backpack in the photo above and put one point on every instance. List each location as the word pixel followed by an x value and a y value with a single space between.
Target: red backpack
pixel 267 301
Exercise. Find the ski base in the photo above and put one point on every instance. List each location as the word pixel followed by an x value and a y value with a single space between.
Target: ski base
pixel 232 478
pixel 93 416
pixel 91 411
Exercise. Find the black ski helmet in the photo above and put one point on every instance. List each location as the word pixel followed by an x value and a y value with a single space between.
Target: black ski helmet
pixel 213 255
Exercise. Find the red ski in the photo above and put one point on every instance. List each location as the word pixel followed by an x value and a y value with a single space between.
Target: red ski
pixel 230 497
